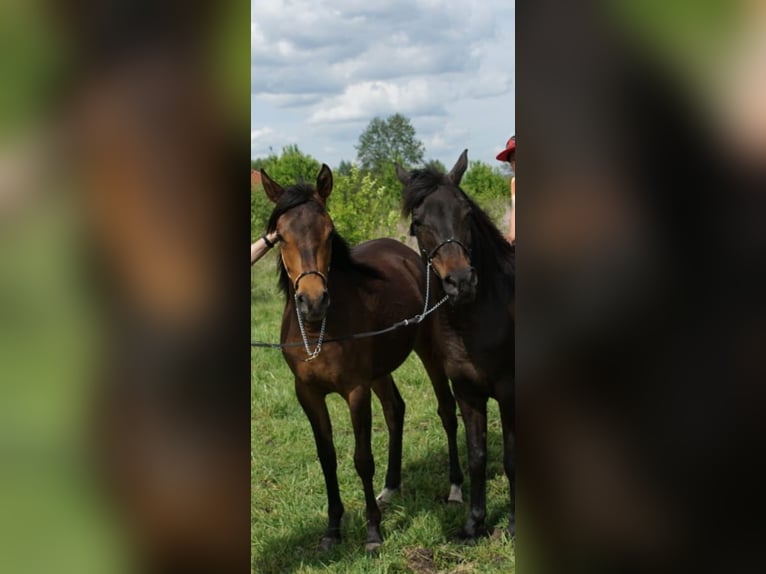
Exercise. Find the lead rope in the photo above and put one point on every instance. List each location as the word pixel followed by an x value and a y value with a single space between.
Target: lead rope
pixel 426 310
pixel 415 320
pixel 318 349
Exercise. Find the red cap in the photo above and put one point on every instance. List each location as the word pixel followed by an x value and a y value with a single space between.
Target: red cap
pixel 510 147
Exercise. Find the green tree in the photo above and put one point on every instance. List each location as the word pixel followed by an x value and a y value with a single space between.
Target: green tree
pixel 483 181
pixel 290 167
pixel 362 209
pixel 387 140
pixel 344 168
pixel 489 187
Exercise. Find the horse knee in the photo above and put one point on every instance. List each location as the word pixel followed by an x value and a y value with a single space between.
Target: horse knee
pixel 477 460
pixel 364 464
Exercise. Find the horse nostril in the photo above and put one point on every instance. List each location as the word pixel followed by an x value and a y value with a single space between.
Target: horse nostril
pixel 450 283
pixel 324 300
pixel 472 278
pixel 301 298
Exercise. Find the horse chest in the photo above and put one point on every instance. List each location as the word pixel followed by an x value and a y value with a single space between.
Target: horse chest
pixel 477 346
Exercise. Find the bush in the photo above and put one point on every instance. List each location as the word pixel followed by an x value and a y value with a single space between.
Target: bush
pixel 490 188
pixel 362 209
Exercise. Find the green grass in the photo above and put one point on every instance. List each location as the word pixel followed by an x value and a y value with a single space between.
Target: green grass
pixel 289 504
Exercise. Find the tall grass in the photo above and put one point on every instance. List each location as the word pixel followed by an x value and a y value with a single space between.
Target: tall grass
pixel 289 502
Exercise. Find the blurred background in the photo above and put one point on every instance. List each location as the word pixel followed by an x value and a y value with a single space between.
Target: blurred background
pixel 124 375
pixel 640 309
pixel 124 390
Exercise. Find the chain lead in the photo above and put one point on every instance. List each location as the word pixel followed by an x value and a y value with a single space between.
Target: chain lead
pixel 318 349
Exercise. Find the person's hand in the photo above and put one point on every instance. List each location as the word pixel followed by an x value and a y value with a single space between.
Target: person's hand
pixel 272 237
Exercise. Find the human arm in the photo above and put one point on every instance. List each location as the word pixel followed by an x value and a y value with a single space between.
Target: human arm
pixel 512 223
pixel 262 245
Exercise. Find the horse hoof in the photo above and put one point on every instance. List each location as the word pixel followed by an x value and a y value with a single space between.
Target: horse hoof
pixel 386 495
pixel 464 538
pixel 455 495
pixel 327 543
pixel 372 547
pixel 471 535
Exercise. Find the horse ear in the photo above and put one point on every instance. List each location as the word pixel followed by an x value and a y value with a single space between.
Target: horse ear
pixel 456 174
pixel 324 182
pixel 272 188
pixel 402 174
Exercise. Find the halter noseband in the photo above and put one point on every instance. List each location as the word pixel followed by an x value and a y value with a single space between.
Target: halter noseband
pixel 302 275
pixel 431 255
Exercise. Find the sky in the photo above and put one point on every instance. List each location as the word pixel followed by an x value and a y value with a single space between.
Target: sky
pixel 321 70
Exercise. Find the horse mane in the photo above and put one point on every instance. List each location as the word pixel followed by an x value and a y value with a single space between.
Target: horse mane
pixel 342 260
pixel 491 254
pixel 423 182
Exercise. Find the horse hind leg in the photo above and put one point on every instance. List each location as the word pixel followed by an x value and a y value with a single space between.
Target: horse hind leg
pixel 447 413
pixel 393 411
pixel 360 406
pixel 315 407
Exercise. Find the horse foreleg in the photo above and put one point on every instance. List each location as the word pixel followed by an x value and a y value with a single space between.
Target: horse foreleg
pixel 361 419
pixel 315 407
pixel 474 411
pixel 446 410
pixel 393 410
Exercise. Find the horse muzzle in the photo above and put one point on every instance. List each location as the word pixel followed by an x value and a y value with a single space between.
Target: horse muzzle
pixel 460 286
pixel 313 309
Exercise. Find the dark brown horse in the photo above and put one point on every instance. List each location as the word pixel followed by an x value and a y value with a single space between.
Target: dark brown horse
pixel 475 334
pixel 332 292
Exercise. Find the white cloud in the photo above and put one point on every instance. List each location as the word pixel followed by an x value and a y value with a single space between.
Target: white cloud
pixel 322 69
pixel 259 134
pixel 367 99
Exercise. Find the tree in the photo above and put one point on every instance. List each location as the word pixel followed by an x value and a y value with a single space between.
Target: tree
pixel 290 167
pixel 344 168
pixel 384 142
pixel 483 181
pixel 490 188
pixel 362 208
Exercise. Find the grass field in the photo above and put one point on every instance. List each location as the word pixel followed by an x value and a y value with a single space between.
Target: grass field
pixel 289 505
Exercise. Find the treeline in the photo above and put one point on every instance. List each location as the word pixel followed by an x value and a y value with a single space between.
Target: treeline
pixel 365 202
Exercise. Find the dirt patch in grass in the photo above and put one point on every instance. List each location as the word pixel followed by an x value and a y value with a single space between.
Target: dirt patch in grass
pixel 420 560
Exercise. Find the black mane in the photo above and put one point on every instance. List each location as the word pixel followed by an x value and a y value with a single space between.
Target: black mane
pixel 491 254
pixel 423 182
pixel 342 260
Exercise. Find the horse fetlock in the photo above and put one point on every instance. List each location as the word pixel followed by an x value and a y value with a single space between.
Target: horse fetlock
pixel 374 538
pixel 386 495
pixel 328 542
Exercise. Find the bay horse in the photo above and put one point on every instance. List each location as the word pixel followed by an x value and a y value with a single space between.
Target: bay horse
pixel 374 285
pixel 475 333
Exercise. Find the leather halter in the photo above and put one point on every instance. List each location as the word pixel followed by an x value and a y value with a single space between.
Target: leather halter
pixel 431 255
pixel 302 275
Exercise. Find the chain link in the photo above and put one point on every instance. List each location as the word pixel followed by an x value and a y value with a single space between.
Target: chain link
pixel 318 349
